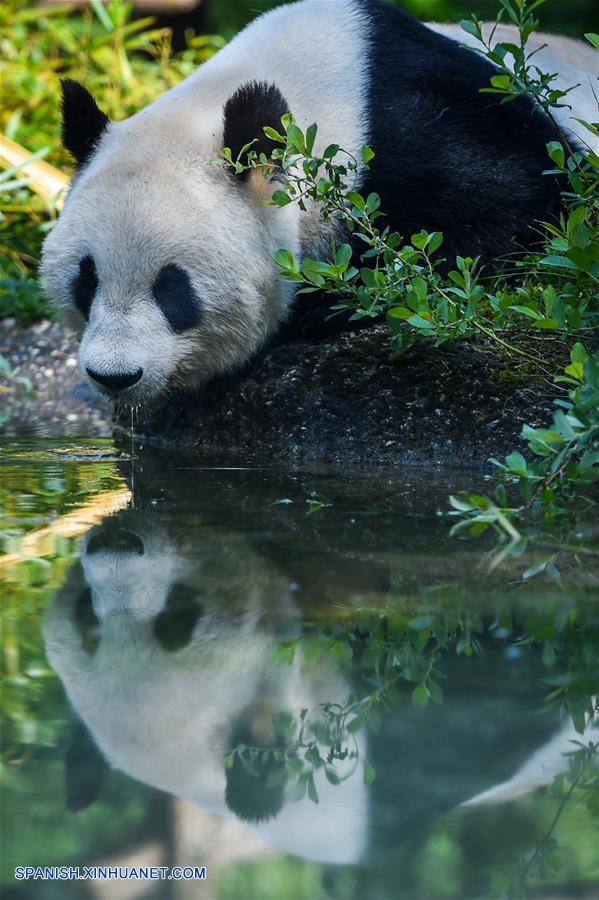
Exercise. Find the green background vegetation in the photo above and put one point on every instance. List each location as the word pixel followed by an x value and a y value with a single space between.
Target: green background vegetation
pixel 573 17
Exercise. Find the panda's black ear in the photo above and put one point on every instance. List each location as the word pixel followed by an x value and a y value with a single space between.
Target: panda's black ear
pixel 252 106
pixel 83 122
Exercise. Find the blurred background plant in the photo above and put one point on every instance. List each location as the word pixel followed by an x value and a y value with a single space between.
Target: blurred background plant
pixel 574 18
pixel 126 59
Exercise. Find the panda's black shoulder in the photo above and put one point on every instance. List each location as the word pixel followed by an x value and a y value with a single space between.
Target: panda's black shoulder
pixel 409 46
pixel 449 157
pixel 412 69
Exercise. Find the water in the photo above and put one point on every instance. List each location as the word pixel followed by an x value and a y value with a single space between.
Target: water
pixel 294 679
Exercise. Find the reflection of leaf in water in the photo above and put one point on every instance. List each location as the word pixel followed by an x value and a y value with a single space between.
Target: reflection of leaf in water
pixel 40 542
pixel 297 791
pixel 369 772
pixel 583 777
pixel 285 652
pixel 312 792
pixel 420 695
pixel 276 778
pixel 356 723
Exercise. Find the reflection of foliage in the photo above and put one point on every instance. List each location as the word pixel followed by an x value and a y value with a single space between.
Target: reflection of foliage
pixel 401 651
pixel 394 649
pixel 45 485
pixel 440 866
pixel 26 679
pixel 34 495
pixel 297 757
pixel 50 483
pixel 542 862
pixel 38 831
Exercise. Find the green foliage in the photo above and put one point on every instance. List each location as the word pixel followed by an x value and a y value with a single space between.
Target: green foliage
pixel 567 453
pixel 125 63
pixel 523 78
pixel 574 244
pixel 407 279
pixel 22 226
pixel 8 374
pixel 566 461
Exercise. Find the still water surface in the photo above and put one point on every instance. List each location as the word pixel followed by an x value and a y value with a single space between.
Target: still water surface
pixel 294 679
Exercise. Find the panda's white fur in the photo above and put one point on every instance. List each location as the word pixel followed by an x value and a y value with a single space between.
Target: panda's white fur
pixel 150 195
pixel 165 717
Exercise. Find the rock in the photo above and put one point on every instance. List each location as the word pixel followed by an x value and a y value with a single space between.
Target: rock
pixel 45 395
pixel 347 401
pixel 344 401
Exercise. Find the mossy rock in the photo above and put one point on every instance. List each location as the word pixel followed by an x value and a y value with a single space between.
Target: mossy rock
pixel 347 401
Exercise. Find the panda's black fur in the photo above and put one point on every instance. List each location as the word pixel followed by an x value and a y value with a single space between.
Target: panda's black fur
pixel 83 122
pixel 253 107
pixel 447 157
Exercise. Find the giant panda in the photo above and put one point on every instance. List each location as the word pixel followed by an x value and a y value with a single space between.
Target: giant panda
pixel 163 261
pixel 165 638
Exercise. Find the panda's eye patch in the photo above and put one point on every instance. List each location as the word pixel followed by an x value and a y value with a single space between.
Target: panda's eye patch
pixel 174 625
pixel 85 285
pixel 86 622
pixel 175 296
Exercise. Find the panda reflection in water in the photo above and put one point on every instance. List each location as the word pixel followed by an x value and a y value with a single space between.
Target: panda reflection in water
pixel 165 646
pixel 163 261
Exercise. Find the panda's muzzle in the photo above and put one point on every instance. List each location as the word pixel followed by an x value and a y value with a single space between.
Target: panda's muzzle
pixel 116 382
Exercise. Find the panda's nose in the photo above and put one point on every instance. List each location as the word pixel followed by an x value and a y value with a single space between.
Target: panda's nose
pixel 117 381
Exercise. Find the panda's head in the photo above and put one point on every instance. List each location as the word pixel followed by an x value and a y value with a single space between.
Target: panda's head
pixel 161 259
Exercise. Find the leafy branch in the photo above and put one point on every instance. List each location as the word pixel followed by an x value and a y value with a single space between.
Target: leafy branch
pixel 566 460
pixel 402 280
